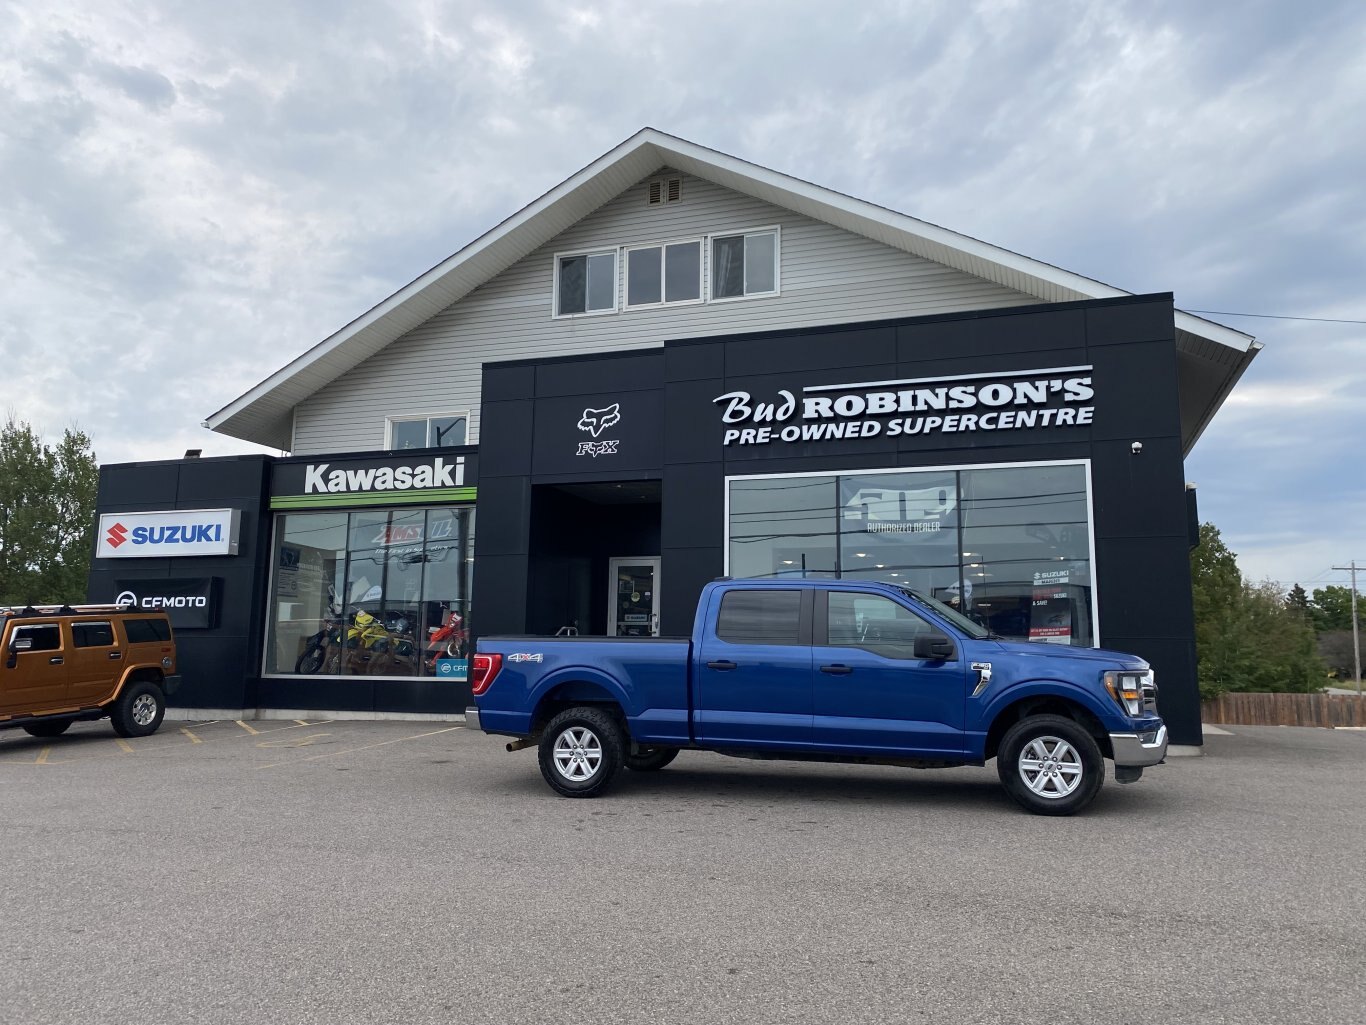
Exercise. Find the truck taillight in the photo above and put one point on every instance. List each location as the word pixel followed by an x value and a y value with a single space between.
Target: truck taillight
pixel 483 668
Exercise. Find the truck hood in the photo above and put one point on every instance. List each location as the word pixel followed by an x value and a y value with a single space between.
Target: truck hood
pixel 1116 659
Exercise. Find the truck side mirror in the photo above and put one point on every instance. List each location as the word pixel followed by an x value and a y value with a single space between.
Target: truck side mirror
pixel 933 647
pixel 18 644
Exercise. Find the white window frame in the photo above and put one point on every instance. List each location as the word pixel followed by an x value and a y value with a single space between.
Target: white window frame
pixel 861 472
pixel 389 422
pixel 626 252
pixel 615 253
pixel 777 232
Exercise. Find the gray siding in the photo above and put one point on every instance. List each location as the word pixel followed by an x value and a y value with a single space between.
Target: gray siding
pixel 828 276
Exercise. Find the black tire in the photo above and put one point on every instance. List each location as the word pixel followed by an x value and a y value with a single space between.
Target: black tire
pixel 311 660
pixel 47 729
pixel 139 710
pixel 1059 786
pixel 581 752
pixel 650 759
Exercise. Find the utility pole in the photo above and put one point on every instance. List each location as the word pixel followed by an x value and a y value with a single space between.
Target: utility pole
pixel 1356 629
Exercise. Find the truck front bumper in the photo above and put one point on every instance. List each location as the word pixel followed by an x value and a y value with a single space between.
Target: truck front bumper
pixel 1140 749
pixel 472 718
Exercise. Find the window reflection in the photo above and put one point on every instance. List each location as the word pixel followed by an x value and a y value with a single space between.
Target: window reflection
pixel 1007 546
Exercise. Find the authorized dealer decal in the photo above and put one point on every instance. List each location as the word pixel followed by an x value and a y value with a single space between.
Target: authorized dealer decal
pixel 1046 398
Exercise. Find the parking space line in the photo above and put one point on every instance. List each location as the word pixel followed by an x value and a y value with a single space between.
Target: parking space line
pixel 247 728
pixel 42 756
pixel 363 747
pixel 127 747
pixel 193 739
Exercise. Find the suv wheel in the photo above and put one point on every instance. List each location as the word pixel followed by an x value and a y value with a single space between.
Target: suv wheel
pixel 581 752
pixel 139 710
pixel 1050 765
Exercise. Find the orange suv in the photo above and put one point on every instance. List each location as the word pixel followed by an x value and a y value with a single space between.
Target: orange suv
pixel 63 664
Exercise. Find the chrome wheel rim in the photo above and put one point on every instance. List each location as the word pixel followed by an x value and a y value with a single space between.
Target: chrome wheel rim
pixel 577 754
pixel 1051 767
pixel 144 709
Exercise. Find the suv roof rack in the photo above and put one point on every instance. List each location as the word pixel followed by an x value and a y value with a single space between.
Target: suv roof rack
pixel 59 610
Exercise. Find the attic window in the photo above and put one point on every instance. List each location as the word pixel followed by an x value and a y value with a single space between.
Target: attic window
pixel 665 190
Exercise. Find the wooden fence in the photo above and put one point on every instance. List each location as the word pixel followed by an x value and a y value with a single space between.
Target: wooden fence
pixel 1285 710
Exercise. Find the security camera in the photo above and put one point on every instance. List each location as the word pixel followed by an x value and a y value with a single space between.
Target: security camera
pixel 1136 447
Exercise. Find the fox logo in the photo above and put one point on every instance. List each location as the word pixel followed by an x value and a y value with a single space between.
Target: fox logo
pixel 598 420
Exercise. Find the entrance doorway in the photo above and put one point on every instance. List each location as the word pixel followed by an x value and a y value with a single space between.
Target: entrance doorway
pixel 633 597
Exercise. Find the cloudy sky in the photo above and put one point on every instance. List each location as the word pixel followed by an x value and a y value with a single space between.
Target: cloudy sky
pixel 192 194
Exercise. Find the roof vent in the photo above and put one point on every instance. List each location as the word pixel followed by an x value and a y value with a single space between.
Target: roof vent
pixel 665 190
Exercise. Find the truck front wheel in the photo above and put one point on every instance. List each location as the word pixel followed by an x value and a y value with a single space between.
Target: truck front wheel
pixel 581 752
pixel 1050 765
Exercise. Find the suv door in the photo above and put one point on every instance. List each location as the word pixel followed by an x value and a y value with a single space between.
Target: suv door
pixel 95 663
pixel 870 691
pixel 34 681
pixel 754 670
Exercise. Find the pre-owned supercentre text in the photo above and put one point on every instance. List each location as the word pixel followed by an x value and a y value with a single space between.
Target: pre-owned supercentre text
pixel 1055 397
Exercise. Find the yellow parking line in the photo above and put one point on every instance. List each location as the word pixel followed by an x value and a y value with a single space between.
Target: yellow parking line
pixel 124 744
pixel 363 747
pixel 193 739
pixel 247 728
pixel 301 722
pixel 42 756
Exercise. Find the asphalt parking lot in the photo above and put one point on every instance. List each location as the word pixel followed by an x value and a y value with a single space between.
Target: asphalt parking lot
pixel 415 872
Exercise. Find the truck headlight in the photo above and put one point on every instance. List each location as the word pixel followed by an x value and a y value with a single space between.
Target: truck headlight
pixel 1134 692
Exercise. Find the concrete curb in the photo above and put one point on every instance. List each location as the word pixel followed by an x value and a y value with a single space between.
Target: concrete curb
pixel 272 714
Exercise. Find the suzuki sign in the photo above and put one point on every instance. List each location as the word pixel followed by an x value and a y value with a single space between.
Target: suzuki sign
pixel 146 535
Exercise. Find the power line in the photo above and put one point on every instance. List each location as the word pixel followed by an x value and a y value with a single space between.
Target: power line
pixel 1275 316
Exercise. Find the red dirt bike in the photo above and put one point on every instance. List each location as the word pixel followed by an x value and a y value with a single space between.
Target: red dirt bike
pixel 449 640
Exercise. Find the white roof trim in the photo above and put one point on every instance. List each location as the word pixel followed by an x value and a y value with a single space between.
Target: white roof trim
pixel 264 412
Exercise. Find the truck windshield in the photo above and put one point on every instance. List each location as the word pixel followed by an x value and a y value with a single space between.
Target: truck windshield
pixel 955 617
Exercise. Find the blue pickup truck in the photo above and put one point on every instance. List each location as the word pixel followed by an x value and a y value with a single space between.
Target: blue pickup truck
pixel 827 670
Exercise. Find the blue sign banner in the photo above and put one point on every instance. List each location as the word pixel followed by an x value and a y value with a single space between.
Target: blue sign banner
pixel 454 669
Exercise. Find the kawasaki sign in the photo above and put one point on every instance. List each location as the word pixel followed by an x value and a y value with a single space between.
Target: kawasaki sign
pixel 374 480
pixel 170 534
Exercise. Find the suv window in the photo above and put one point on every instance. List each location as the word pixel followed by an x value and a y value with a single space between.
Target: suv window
pixel 93 635
pixel 874 623
pixel 760 617
pixel 146 631
pixel 46 637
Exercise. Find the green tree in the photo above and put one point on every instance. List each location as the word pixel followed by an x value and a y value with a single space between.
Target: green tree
pixel 1246 636
pixel 47 515
pixel 1332 608
pixel 1297 600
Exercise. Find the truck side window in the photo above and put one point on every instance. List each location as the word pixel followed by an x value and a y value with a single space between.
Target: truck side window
pixel 760 617
pixel 47 637
pixel 873 623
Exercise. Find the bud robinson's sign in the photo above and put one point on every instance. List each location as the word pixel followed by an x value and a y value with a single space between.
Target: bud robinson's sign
pixel 1053 397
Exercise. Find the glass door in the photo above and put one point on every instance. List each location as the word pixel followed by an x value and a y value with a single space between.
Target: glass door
pixel 633 586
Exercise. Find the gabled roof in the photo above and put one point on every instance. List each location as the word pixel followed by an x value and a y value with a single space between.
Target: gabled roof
pixel 263 414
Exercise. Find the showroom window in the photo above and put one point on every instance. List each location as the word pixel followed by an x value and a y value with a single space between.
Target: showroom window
pixel 664 274
pixel 1009 546
pixel 427 431
pixel 374 592
pixel 585 283
pixel 744 264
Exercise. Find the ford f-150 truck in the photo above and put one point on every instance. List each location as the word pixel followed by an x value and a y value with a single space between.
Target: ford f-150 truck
pixel 828 670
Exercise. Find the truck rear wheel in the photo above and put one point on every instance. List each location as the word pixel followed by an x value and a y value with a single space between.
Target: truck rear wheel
pixel 139 710
pixel 581 752
pixel 1050 765
pixel 650 759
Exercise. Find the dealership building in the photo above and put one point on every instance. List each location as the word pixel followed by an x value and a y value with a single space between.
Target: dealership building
pixel 673 366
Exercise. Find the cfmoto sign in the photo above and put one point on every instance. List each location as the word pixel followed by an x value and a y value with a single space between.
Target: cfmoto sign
pixel 190 603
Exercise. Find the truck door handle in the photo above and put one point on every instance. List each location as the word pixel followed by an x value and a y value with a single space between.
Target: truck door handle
pixel 55 661
pixel 116 654
pixel 722 664
pixel 836 670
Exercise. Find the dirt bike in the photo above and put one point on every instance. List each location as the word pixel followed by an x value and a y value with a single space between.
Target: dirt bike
pixel 449 640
